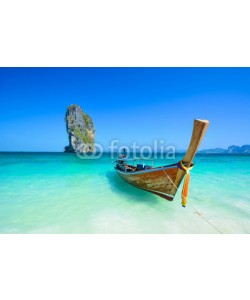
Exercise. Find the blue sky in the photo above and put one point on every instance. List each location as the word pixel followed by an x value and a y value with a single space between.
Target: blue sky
pixel 130 104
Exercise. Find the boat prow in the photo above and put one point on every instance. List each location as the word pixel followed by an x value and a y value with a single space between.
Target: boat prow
pixel 164 181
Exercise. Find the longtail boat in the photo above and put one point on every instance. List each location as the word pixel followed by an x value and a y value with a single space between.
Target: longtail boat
pixel 164 181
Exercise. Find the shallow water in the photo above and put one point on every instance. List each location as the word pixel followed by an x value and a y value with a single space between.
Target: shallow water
pixel 60 193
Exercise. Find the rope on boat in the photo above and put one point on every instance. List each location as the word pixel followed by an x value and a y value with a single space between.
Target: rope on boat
pixel 204 218
pixel 195 210
pixel 169 178
pixel 184 193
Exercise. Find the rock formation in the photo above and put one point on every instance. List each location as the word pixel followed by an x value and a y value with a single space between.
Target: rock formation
pixel 245 149
pixel 80 129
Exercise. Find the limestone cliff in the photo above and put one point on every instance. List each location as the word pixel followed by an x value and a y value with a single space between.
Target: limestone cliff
pixel 245 149
pixel 80 129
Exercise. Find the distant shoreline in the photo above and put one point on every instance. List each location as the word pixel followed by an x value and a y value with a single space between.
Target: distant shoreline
pixel 244 150
pixel 200 153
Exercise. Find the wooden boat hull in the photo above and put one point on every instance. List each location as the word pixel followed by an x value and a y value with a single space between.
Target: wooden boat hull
pixel 158 181
pixel 164 180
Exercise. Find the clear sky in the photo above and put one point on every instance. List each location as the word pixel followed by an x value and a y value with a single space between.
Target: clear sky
pixel 130 104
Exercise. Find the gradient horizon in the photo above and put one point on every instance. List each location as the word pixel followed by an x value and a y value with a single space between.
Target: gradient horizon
pixel 129 104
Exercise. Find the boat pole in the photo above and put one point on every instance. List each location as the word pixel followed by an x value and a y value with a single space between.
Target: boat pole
pixel 199 130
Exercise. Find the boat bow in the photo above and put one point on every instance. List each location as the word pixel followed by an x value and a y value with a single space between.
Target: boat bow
pixel 164 181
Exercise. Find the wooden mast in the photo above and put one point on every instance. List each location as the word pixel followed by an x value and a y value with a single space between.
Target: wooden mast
pixel 199 130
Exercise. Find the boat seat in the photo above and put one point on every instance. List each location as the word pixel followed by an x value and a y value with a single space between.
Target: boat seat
pixel 140 167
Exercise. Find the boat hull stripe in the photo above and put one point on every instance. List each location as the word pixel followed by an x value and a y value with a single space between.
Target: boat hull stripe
pixel 146 171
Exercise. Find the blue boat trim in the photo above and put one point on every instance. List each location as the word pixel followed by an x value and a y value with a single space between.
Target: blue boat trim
pixel 148 170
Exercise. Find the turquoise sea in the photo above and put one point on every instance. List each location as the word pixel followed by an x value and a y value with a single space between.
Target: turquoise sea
pixel 60 193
